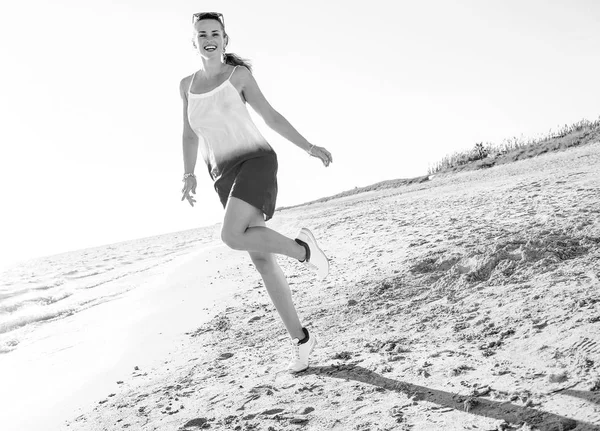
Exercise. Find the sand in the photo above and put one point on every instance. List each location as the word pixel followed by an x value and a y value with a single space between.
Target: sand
pixel 470 301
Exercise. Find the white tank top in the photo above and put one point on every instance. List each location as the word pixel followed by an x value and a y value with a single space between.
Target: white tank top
pixel 226 132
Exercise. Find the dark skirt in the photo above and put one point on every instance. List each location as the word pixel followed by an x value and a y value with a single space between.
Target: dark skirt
pixel 254 181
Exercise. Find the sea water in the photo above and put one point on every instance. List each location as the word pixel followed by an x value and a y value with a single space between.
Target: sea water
pixel 50 288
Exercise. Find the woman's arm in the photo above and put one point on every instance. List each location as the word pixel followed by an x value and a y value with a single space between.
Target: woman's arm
pixel 275 120
pixel 190 147
pixel 189 138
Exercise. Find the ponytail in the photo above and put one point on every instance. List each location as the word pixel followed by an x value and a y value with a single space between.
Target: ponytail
pixel 236 60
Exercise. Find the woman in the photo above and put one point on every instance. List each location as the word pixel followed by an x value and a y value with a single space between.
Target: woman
pixel 244 167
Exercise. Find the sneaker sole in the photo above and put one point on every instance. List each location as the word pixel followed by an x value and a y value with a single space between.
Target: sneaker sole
pixel 312 237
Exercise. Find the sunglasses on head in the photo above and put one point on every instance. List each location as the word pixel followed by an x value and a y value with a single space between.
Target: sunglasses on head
pixel 208 15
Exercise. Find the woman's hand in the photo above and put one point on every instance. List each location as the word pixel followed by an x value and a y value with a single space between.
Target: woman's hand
pixel 322 154
pixel 190 186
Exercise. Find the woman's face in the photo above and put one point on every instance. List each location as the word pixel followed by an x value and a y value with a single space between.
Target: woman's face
pixel 209 38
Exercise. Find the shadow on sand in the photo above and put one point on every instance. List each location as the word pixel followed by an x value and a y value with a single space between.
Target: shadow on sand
pixel 585 395
pixel 511 413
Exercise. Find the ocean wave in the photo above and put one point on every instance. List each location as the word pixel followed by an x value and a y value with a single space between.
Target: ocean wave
pixel 32 314
pixel 7 295
pixel 48 285
pixel 18 290
pixel 8 345
pixel 86 274
pixel 17 302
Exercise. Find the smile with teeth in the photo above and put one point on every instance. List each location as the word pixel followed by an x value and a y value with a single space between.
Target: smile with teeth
pixel 210 48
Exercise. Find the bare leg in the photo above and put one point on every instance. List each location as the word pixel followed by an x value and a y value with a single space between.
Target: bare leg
pixel 244 229
pixel 240 234
pixel 279 291
pixel 277 285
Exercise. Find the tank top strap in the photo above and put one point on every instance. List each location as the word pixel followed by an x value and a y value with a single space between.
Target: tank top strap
pixel 191 82
pixel 235 67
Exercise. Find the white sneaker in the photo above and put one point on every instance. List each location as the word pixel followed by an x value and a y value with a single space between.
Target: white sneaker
pixel 315 259
pixel 300 353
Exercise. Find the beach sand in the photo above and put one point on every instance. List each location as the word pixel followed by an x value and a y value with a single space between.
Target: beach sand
pixel 470 301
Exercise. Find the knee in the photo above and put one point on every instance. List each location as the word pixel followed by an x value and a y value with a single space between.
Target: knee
pixel 230 238
pixel 264 265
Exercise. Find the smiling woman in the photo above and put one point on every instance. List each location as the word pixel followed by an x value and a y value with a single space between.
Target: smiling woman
pixel 243 167
pixel 228 57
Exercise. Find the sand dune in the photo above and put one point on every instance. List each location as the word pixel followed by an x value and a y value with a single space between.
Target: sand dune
pixel 467 302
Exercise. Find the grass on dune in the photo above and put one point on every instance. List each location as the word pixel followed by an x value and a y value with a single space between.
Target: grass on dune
pixel 486 155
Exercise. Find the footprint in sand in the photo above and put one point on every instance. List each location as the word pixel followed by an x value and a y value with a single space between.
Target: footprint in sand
pixel 587 346
pixel 196 424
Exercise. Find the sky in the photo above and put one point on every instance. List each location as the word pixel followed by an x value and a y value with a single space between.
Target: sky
pixel 91 115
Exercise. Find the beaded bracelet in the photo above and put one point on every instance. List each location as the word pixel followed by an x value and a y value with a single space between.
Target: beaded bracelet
pixel 186 176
